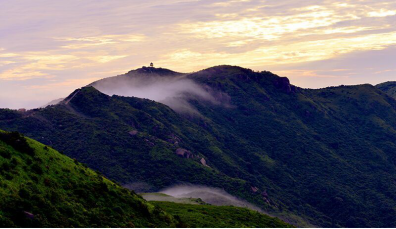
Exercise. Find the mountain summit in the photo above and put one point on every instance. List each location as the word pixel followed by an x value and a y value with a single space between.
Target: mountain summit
pixel 153 71
pixel 143 72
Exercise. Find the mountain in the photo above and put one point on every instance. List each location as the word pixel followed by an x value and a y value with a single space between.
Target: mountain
pixel 42 188
pixel 389 88
pixel 312 157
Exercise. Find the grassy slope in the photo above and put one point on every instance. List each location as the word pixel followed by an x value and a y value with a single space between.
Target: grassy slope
pixel 60 192
pixel 208 216
pixel 326 155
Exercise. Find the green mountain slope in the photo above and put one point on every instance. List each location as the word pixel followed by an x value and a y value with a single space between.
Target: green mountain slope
pixel 323 157
pixel 42 188
pixel 389 88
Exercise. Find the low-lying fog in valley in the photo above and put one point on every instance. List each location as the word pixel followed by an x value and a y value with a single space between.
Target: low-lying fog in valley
pixel 213 196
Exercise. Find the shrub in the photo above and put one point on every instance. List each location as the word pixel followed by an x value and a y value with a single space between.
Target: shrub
pixel 5 167
pixel 34 177
pixel 24 193
pixel 37 169
pixel 5 154
pixel 18 142
pixel 14 162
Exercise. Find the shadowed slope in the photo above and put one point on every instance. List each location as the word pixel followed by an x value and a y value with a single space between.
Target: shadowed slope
pixel 389 88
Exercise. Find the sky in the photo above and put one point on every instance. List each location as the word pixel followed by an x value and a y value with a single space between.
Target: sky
pixel 50 48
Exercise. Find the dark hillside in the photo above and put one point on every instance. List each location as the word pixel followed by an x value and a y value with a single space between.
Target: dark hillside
pixel 389 88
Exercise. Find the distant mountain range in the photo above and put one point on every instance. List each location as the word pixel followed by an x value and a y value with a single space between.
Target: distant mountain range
pixel 321 157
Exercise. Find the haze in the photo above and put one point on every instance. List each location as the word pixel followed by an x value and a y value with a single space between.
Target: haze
pixel 50 48
pixel 209 195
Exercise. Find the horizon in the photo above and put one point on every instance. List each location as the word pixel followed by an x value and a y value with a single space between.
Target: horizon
pixel 316 44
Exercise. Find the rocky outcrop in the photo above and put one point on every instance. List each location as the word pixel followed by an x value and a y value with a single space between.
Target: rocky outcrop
pixel 28 215
pixel 133 132
pixel 254 189
pixel 283 83
pixel 173 139
pixel 264 194
pixel 203 162
pixel 149 142
pixel 184 153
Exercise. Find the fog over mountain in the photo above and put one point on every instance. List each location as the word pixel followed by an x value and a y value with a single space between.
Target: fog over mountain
pixel 161 85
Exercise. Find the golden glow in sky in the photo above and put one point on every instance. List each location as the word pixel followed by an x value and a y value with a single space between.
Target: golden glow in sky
pixel 49 48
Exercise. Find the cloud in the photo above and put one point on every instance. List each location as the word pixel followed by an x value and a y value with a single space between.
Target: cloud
pixel 67 83
pixel 299 52
pixel 93 42
pixel 370 66
pixel 382 13
pixel 174 90
pixel 209 195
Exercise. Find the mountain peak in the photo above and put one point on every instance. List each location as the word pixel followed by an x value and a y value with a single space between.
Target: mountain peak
pixel 153 71
pixel 88 92
pixel 227 68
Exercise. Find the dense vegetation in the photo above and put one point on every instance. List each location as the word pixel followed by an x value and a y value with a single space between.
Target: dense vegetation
pixel 208 216
pixel 389 88
pixel 39 187
pixel 42 188
pixel 323 157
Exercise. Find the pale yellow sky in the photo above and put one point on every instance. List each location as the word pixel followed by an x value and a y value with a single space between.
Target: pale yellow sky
pixel 49 48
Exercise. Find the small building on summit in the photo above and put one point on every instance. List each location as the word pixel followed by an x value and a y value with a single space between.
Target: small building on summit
pixel 151 65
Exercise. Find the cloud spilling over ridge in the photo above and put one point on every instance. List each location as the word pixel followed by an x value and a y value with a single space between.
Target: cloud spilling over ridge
pixel 173 90
pixel 209 195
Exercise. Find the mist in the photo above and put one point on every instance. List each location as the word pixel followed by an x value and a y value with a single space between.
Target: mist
pixel 174 91
pixel 209 195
